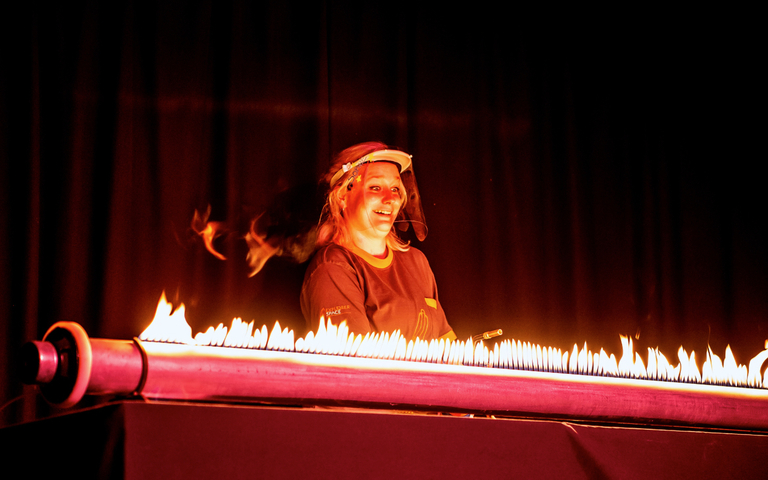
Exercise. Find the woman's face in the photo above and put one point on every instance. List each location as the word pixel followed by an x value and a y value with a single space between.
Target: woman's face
pixel 374 200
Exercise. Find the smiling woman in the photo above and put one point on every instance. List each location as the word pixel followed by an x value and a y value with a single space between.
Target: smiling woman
pixel 373 206
pixel 364 273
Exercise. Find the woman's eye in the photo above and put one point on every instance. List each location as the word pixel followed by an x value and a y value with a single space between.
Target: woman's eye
pixel 375 188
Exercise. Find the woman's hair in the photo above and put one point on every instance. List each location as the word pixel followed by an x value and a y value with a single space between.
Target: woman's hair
pixel 332 227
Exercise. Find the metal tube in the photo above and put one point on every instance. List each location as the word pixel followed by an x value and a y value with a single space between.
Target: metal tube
pixel 117 367
pixel 40 360
pixel 220 374
pixel 184 372
pixel 67 364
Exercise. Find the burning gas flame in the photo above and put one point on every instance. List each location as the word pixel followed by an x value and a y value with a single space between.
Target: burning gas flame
pixel 208 231
pixel 168 325
pixel 171 326
pixel 259 249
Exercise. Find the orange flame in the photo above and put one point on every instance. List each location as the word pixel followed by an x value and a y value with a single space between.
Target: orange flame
pixel 259 249
pixel 208 230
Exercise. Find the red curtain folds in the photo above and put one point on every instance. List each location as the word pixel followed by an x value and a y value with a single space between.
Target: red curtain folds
pixel 580 179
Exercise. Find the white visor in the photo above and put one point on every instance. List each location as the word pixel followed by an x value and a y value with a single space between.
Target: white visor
pixel 393 156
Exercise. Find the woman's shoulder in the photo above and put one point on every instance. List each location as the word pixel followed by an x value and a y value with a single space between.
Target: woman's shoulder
pixel 414 257
pixel 412 253
pixel 332 255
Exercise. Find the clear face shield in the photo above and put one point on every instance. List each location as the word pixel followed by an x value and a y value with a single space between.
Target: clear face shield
pixel 412 213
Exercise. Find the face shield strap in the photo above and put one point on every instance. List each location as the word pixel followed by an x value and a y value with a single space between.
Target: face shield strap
pixel 354 174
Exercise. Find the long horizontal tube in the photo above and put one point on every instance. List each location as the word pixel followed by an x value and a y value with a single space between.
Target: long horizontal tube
pixel 184 372
pixel 215 373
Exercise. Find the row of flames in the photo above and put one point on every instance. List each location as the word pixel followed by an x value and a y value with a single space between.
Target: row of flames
pixel 171 326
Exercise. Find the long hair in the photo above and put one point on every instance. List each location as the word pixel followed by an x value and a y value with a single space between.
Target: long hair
pixel 333 228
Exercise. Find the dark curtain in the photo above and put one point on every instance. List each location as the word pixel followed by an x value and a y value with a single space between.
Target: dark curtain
pixel 581 178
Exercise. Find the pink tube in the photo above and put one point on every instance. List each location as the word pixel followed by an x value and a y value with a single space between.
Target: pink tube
pixel 184 372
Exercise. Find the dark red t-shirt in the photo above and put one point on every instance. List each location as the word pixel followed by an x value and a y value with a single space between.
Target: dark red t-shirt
pixel 372 294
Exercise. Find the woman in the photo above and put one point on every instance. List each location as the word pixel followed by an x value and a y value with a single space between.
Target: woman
pixel 363 273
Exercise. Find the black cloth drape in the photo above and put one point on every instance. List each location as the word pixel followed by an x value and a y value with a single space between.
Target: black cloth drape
pixel 581 179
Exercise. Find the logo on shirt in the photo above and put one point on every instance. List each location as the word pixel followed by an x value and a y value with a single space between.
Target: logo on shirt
pixel 337 310
pixel 422 325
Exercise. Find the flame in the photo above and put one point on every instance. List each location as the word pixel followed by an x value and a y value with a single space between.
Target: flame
pixel 259 249
pixel 168 326
pixel 171 326
pixel 208 230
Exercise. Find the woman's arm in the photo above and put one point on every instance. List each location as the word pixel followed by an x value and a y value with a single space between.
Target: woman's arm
pixel 333 290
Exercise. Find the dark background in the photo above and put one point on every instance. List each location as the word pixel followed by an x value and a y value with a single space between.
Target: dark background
pixel 585 174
